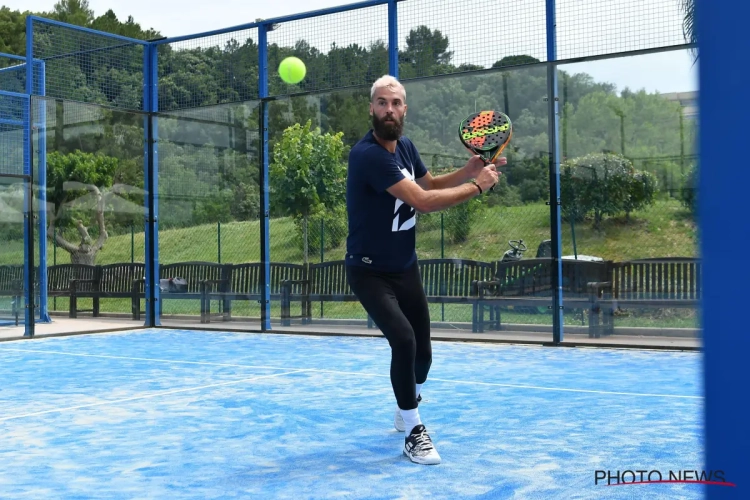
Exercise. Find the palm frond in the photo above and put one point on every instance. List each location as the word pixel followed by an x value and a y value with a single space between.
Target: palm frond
pixel 688 24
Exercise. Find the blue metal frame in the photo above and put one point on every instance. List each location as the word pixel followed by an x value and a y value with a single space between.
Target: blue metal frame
pixel 151 185
pixel 393 37
pixel 28 237
pixel 12 56
pixel 265 227
pixel 554 173
pixel 42 195
pixel 27 229
pixel 39 191
pixel 276 20
pixel 15 94
pixel 44 20
pixel 722 35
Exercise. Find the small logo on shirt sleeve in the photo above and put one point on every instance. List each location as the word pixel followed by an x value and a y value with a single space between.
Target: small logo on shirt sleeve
pixel 366 260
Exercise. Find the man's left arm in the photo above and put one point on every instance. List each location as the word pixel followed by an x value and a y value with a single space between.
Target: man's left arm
pixel 457 177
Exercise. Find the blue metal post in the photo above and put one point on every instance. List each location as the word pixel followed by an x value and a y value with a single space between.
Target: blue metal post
pixel 265 227
pixel 393 38
pixel 42 197
pixel 151 185
pixel 27 207
pixel 554 173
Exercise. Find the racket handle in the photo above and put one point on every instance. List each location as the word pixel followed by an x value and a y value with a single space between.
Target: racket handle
pixel 487 163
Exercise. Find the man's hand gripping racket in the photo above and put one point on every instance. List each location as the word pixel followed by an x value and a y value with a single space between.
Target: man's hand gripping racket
pixel 486 134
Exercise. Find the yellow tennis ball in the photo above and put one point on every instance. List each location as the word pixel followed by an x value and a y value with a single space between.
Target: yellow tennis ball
pixel 292 70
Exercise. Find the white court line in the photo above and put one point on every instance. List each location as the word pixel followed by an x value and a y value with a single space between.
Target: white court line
pixel 359 374
pixel 147 396
pixel 150 360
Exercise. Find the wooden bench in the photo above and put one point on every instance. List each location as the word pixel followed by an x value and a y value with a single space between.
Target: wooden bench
pixel 445 281
pixel 529 283
pixel 11 285
pixel 120 280
pixel 244 283
pixel 196 274
pixel 72 281
pixel 454 281
pixel 662 283
pixel 322 282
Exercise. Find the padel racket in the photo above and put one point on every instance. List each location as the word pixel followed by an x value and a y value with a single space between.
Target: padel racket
pixel 486 134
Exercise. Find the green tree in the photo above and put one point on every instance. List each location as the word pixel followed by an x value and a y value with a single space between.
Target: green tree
pixel 515 61
pixel 307 174
pixel 75 12
pixel 78 190
pixel 12 32
pixel 426 53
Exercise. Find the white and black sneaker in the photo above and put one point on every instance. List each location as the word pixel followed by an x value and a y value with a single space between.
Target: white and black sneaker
pixel 419 448
pixel 398 420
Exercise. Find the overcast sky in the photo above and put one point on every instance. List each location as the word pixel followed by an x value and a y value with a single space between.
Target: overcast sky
pixel 606 23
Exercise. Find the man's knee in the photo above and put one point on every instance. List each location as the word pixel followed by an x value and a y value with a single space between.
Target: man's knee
pixel 404 344
pixel 424 353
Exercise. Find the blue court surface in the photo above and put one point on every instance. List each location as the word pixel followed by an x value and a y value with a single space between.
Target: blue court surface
pixel 185 414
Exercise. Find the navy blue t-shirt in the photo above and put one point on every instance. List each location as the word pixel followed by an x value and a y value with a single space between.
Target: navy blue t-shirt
pixel 381 227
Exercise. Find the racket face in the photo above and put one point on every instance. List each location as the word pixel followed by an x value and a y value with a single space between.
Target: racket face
pixel 486 133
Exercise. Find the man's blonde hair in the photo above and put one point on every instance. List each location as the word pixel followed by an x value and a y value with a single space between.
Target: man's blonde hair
pixel 387 81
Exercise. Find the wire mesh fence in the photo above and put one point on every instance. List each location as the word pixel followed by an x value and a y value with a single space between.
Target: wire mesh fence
pixel 439 37
pixel 209 138
pixel 87 66
pixel 14 134
pixel 12 73
pixel 596 27
pixel 208 71
pixel 339 50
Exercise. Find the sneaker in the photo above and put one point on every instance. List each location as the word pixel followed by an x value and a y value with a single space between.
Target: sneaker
pixel 398 420
pixel 419 448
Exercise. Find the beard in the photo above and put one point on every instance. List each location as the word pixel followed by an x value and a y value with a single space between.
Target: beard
pixel 388 131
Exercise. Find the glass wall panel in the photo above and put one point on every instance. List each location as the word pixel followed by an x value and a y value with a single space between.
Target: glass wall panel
pixel 12 222
pixel 500 238
pixel 309 142
pixel 628 181
pixel 93 209
pixel 209 208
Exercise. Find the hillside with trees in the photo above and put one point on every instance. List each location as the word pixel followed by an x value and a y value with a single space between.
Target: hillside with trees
pixel 209 119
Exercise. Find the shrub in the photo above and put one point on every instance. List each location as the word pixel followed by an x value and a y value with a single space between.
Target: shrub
pixel 605 185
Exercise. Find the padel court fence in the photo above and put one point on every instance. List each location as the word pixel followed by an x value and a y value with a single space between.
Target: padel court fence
pixel 194 125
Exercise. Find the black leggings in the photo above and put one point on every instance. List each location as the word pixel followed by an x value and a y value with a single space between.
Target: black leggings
pixel 398 306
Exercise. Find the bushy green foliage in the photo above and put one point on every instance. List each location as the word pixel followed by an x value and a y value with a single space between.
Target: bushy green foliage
pixel 330 224
pixel 603 185
pixel 306 175
pixel 458 220
pixel 67 178
pixel 689 190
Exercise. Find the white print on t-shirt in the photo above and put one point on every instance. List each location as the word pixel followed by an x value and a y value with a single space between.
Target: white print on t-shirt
pixel 407 211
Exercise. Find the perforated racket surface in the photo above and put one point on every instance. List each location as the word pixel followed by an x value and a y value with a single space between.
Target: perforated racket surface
pixel 486 134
